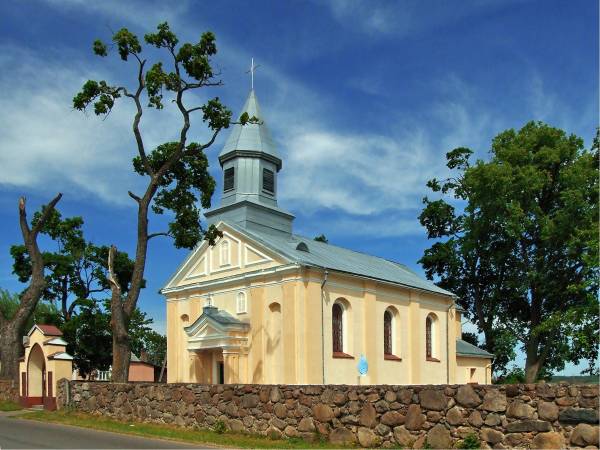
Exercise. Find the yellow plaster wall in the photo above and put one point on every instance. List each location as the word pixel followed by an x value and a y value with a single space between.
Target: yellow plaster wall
pixel 287 347
pixel 367 303
pixel 59 368
pixel 482 366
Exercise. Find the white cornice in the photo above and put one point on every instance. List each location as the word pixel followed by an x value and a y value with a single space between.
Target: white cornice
pixel 247 276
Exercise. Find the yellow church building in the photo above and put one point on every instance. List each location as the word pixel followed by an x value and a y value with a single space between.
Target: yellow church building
pixel 265 305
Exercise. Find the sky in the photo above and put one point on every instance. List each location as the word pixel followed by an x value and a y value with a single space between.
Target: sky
pixel 363 98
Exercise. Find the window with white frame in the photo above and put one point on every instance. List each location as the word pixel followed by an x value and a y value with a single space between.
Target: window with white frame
pixel 431 337
pixel 390 334
pixel 225 253
pixel 339 328
pixel 241 303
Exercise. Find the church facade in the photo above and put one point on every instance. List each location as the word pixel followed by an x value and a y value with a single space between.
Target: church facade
pixel 264 305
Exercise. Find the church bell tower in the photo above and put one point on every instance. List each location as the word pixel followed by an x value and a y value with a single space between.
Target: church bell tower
pixel 250 164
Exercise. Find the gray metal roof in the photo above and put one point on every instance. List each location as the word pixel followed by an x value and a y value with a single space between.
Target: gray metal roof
pixel 219 315
pixel 339 259
pixel 463 348
pixel 251 137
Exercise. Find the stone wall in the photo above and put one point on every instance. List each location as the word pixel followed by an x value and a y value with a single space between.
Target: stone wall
pixel 9 390
pixel 537 416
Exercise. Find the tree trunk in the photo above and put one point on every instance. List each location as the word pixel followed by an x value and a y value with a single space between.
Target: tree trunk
pixel 122 309
pixel 533 360
pixel 121 344
pixel 11 329
pixel 119 321
pixel 121 358
pixel 533 364
pixel 10 352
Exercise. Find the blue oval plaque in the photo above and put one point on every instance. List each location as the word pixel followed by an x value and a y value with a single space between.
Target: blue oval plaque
pixel 363 365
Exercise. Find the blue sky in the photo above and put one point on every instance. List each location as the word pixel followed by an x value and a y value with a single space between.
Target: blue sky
pixel 364 98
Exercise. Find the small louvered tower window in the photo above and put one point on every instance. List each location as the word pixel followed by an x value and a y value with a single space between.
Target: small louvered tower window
pixel 229 178
pixel 268 181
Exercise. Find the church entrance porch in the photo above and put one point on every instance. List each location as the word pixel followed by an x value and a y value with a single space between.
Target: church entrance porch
pixel 217 366
pixel 217 343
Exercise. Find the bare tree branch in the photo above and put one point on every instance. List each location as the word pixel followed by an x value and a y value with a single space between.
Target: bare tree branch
pixel 138 116
pixel 153 235
pixel 111 270
pixel 133 196
pixel 10 332
pixel 23 216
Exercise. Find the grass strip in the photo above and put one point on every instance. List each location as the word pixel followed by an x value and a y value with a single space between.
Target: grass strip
pixel 6 405
pixel 171 432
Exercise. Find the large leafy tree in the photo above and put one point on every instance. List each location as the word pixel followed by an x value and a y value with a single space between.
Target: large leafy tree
pixel 89 336
pixel 517 241
pixel 44 312
pixel 11 328
pixel 176 173
pixel 75 270
pixel 88 331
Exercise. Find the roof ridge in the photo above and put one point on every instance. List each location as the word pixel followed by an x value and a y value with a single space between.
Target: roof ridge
pixel 401 265
pixel 346 260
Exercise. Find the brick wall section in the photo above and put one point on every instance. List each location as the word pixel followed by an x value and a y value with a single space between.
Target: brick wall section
pixel 537 416
pixel 9 390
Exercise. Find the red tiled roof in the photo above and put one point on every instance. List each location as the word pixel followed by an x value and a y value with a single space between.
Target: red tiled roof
pixel 49 330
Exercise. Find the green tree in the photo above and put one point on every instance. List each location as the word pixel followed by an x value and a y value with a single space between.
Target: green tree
pixel 471 338
pixel 44 312
pixel 176 172
pixel 75 270
pixel 522 253
pixel 155 345
pixel 89 335
pixel 11 329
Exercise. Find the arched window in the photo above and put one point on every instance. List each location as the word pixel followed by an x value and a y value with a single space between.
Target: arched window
pixel 430 336
pixel 387 334
pixel 337 319
pixel 428 326
pixel 241 303
pixel 224 253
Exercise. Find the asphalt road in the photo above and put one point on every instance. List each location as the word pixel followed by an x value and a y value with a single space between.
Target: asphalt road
pixel 20 433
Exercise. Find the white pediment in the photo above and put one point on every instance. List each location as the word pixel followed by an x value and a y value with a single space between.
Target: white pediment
pixel 254 256
pixel 208 333
pixel 205 263
pixel 199 269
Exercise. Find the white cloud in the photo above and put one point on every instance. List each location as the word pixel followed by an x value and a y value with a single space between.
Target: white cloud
pixel 380 174
pixel 356 173
pixel 399 19
pixel 49 144
pixel 142 13
pixel 352 172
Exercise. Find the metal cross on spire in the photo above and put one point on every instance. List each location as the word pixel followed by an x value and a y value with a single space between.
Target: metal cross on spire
pixel 251 72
